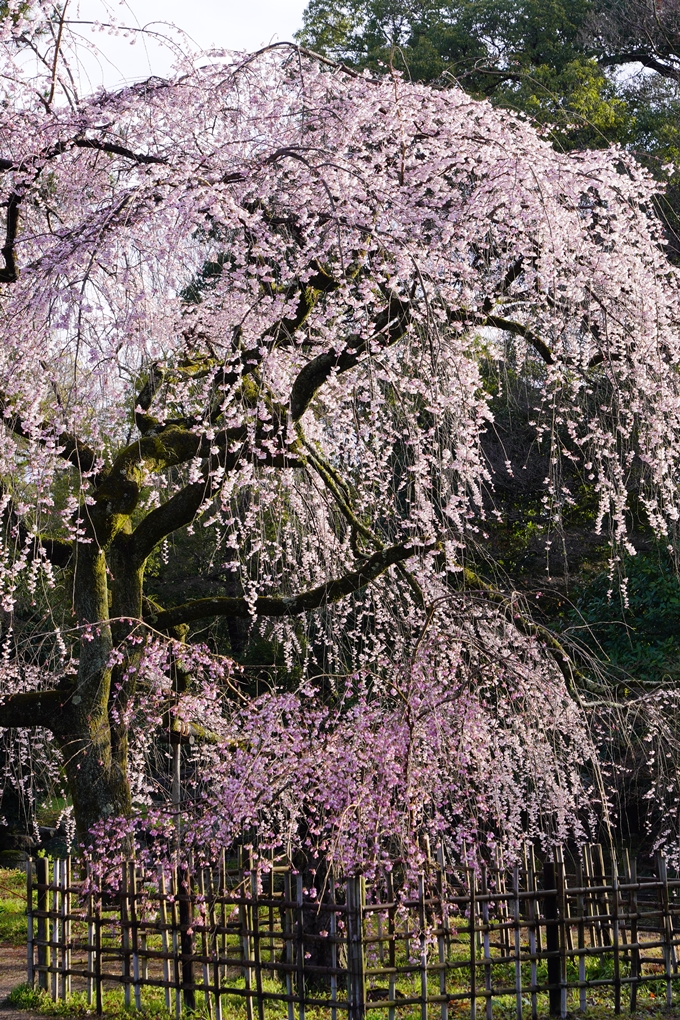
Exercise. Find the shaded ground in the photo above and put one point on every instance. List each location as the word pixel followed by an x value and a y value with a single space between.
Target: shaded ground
pixel 12 973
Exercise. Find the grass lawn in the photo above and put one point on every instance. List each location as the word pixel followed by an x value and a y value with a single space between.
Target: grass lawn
pixel 13 924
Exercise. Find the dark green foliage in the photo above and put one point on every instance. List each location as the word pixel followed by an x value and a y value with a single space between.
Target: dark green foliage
pixel 481 42
pixel 640 642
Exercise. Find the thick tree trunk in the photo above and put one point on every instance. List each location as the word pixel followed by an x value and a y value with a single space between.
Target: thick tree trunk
pixel 95 757
pixel 98 785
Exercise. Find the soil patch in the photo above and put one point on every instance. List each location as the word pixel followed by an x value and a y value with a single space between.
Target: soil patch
pixel 12 973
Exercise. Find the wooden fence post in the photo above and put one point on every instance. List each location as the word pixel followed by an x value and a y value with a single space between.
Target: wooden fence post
pixel 563 930
pixel 43 876
pixel 186 936
pixel 473 943
pixel 615 936
pixel 356 967
pixel 29 921
pixel 518 942
pixel 423 947
pixel 552 936
pixel 486 937
pixel 667 925
pixel 631 879
pixel 99 1004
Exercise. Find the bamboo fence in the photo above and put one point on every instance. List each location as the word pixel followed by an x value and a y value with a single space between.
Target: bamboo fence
pixel 230 938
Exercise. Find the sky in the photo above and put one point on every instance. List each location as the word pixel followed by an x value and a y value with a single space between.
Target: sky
pixel 230 24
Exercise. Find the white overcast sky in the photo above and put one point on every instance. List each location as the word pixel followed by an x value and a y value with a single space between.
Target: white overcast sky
pixel 230 24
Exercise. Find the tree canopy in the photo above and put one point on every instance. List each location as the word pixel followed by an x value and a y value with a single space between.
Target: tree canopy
pixel 259 298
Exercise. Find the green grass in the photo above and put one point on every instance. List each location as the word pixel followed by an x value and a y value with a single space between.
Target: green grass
pixel 13 924
pixel 23 997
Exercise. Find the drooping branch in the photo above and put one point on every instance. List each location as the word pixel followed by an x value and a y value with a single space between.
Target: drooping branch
pixel 509 326
pixel 176 513
pixel 294 605
pixel 70 448
pixel 390 326
pixel 114 149
pixel 60 148
pixel 9 274
pixel 279 333
pixel 58 551
pixel 644 57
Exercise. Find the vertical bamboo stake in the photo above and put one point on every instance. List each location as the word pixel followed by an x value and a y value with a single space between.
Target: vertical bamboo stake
pixel 666 921
pixel 473 946
pixel 333 932
pixel 223 913
pixel 143 945
pixel 631 877
pixel 423 947
pixel 355 950
pixel 175 921
pixel 165 948
pixel 125 934
pixel 255 913
pixel 518 942
pixel 487 947
pixel 205 941
pixel 565 909
pixel 615 934
pixel 29 921
pixel 289 926
pixel 90 939
pixel 595 937
pixel 245 936
pixel 600 878
pixel 392 948
pixel 552 937
pixel 63 911
pixel 67 926
pixel 271 910
pixel 442 937
pixel 98 954
pixel 562 927
pixel 300 946
pixel 581 907
pixel 56 955
pixel 503 912
pixel 42 877
pixel 532 920
pixel 216 955
pixel 184 896
pixel 134 932
pixel 212 940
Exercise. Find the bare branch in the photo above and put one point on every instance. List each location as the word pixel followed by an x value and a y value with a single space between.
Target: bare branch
pixel 390 326
pixel 71 449
pixel 179 511
pixel 9 273
pixel 33 708
pixel 646 59
pixel 516 327
pixel 278 605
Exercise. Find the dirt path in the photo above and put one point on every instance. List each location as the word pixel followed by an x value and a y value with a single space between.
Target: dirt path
pixel 12 973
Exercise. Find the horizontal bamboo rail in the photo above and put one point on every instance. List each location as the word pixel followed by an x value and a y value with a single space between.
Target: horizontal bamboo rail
pixel 201 935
